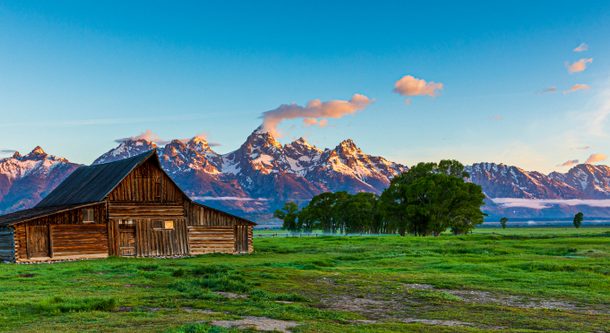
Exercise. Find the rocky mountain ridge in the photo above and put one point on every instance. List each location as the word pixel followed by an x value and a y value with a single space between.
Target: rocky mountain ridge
pixel 262 174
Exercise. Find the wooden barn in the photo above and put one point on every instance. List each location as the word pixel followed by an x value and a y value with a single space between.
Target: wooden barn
pixel 129 208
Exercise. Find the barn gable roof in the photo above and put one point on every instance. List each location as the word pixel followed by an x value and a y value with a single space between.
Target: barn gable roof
pixel 93 183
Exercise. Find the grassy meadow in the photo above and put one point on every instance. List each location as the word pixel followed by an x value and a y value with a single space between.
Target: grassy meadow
pixel 519 280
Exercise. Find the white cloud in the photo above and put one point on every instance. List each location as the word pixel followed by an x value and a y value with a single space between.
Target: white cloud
pixel 548 203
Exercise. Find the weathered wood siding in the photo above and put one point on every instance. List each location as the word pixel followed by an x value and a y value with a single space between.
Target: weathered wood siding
pixel 213 231
pixel 211 239
pixel 152 241
pixel 79 241
pixel 149 211
pixel 69 236
pixel 7 245
pixel 147 183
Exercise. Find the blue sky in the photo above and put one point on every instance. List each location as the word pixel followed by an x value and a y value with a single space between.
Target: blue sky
pixel 75 76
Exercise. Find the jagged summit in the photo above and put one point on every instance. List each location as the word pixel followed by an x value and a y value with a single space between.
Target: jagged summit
pixel 36 154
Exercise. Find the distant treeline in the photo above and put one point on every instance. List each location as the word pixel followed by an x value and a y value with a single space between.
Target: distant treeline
pixel 427 199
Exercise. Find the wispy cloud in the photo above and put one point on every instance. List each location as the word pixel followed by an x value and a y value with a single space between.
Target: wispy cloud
pixel 577 87
pixel 315 112
pixel 548 203
pixel 548 90
pixel 579 66
pixel 596 158
pixel 597 120
pixel 147 135
pixel 582 147
pixel 581 48
pixel 409 85
pixel 497 117
pixel 568 163
pixel 7 151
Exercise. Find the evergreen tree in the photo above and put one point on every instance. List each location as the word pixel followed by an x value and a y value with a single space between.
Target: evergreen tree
pixel 578 218
pixel 503 222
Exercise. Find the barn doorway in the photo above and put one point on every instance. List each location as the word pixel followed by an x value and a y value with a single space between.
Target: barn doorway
pixel 38 244
pixel 127 238
pixel 241 239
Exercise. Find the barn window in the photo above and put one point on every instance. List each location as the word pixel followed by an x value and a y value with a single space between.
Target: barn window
pixel 163 225
pixel 88 215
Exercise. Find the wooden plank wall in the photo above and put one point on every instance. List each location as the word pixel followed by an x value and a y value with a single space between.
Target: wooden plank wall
pixel 121 211
pixel 211 239
pixel 152 242
pixel 79 241
pixel 69 219
pixel 209 229
pixel 202 216
pixel 147 183
pixel 7 246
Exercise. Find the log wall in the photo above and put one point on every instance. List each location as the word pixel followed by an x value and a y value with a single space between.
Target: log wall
pixel 7 245
pixel 69 236
pixel 79 241
pixel 214 231
pixel 215 239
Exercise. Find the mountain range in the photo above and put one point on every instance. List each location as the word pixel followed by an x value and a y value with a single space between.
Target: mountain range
pixel 262 174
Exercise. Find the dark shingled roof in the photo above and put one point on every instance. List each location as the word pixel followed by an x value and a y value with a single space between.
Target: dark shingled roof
pixel 92 183
pixel 32 213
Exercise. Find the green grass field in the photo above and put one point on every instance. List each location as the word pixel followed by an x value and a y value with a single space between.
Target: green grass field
pixel 520 280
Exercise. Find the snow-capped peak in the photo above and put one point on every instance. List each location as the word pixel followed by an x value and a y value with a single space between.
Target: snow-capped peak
pixel 36 154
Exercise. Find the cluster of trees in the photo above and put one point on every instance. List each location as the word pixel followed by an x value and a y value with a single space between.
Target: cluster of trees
pixel 427 199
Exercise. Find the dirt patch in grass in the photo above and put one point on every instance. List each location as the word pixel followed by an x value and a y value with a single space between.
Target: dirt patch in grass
pixel 450 323
pixel 485 297
pixel 258 323
pixel 230 295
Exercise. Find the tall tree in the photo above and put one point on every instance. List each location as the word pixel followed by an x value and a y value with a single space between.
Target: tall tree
pixel 289 214
pixel 503 222
pixel 578 218
pixel 430 197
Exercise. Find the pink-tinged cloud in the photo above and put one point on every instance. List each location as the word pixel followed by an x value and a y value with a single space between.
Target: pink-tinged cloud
pixel 579 66
pixel 596 158
pixel 582 147
pixel 568 163
pixel 577 87
pixel 315 113
pixel 148 135
pixel 581 48
pixel 412 86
